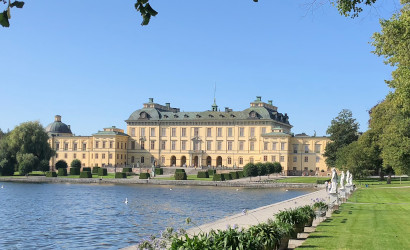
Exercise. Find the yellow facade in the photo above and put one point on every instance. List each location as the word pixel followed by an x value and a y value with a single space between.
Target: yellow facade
pixel 165 136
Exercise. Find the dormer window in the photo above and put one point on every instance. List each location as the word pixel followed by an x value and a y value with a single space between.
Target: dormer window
pixel 165 116
pixel 198 116
pixel 221 115
pixel 253 115
pixel 211 116
pixel 186 116
pixel 143 115
pixel 175 116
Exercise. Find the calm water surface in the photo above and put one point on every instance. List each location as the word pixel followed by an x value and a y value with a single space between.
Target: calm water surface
pixel 74 216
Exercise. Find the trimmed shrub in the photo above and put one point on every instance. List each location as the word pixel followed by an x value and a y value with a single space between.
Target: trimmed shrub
pixel 127 170
pixel 87 169
pixel 102 172
pixel 250 170
pixel 61 164
pixel 218 177
pixel 75 163
pixel 95 170
pixel 262 170
pixel 203 174
pixel 62 172
pixel 74 171
pixel 159 171
pixel 322 181
pixel 234 175
pixel 120 175
pixel 211 172
pixel 270 166
pixel 86 174
pixel 145 175
pixel 179 170
pixel 51 174
pixel 278 167
pixel 240 174
pixel 180 176
pixel 227 177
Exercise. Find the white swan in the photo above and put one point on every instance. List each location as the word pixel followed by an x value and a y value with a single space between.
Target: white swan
pixel 126 201
pixel 170 189
pixel 2 186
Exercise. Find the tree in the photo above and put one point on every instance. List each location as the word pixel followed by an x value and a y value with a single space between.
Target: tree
pixel 250 170
pixel 44 166
pixel 262 170
pixel 278 167
pixel 76 163
pixel 61 164
pixel 346 7
pixel 343 131
pixel 26 163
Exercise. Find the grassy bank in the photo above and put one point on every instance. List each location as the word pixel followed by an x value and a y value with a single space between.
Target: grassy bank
pixel 189 178
pixel 305 179
pixel 39 173
pixel 377 217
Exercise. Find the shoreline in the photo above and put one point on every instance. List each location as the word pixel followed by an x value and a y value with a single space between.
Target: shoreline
pixel 43 179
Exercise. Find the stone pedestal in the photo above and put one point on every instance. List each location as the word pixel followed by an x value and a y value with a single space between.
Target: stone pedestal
pixel 348 189
pixel 342 193
pixel 334 198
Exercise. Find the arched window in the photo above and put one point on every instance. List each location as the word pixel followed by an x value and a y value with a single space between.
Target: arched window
pixel 142 159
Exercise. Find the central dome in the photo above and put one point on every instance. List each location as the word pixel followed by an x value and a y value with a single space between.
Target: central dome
pixel 58 127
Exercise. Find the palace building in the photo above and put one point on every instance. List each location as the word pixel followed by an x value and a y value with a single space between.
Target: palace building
pixel 163 135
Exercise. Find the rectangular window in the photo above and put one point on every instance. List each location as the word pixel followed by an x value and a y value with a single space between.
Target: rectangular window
pixel 209 132
pixel 251 146
pixel 142 132
pixel 142 159
pixel 173 143
pixel 282 145
pixel 317 148
pixel 219 132
pixel 196 132
pixel 230 132
pixel 57 145
pixel 230 145
pixel 153 132
pixel 219 145
pixel 75 156
pixel 229 160
pixel 118 145
pixel 75 146
pixel 163 144
pixel 174 132
pixel 282 158
pixel 163 131
pixel 241 132
pixel 142 145
pixel 208 145
pixel 317 159
pixel 306 149
pixel 240 160
pixel 265 145
pixel 263 130
pixel 83 156
pixel 252 132
pixel 118 156
pixel 103 156
pixel 295 158
pixel 265 158
pixel 110 156
pixel 65 146
pixel 152 145
pixel 183 132
pixel 133 145
pixel 96 156
pixel 274 145
pixel 163 160
pixel 183 145
pixel 273 158
pixel 84 146
pixel 103 144
pixel 133 132
pixel 251 160
pixel 111 144
pixel 295 148
pixel 306 159
pixel 65 155
pixel 196 145
pixel 241 145
pixel 121 145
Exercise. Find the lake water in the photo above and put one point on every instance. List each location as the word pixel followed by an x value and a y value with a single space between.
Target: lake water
pixel 74 216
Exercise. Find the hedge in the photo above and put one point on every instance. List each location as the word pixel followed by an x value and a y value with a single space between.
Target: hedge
pixel 211 172
pixel 203 174
pixel 127 170
pixel 227 176
pixel 322 181
pixel 102 172
pixel 180 176
pixel 62 172
pixel 120 175
pixel 51 174
pixel 74 171
pixel 240 174
pixel 218 177
pixel 234 175
pixel 95 170
pixel 86 169
pixel 144 175
pixel 86 174
pixel 159 171
pixel 179 170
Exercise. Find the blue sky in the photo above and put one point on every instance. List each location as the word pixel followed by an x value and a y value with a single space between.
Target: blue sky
pixel 92 63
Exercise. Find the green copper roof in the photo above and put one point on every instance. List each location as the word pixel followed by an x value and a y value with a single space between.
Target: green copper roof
pixel 110 133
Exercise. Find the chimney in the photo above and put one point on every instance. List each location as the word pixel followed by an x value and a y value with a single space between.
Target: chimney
pixel 227 109
pixel 69 127
pixel 168 105
pixel 270 102
pixel 57 118
pixel 151 100
pixel 259 98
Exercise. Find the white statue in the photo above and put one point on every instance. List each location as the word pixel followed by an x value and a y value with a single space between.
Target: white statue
pixel 153 170
pixel 351 180
pixel 333 188
pixel 342 179
pixel 347 178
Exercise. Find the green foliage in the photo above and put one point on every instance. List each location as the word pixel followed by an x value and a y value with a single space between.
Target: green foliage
pixel 322 181
pixel 203 174
pixel 179 170
pixel 292 216
pixel 278 167
pixel 62 172
pixel 75 171
pixel 234 175
pixel 127 170
pixel 95 170
pixel 87 169
pixel 102 172
pixel 119 175
pixel 26 163
pixel 250 170
pixel 75 163
pixel 262 169
pixel 145 175
pixel 180 176
pixel 218 177
pixel 320 205
pixel 146 11
pixel 211 172
pixel 352 8
pixel 43 166
pixel 86 174
pixel 240 174
pixel 159 171
pixel 51 174
pixel 61 164
pixel 227 176
pixel 270 167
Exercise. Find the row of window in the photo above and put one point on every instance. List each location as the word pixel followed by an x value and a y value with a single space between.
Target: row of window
pixel 95 156
pixel 219 132
pixel 120 145
pixel 306 148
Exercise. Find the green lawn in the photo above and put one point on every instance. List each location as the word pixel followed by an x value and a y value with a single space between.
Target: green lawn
pixel 377 217
pixel 305 179
pixel 189 177
pixel 39 173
